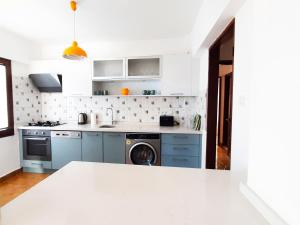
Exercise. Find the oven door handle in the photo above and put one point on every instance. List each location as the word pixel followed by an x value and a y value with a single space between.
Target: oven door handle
pixel 36 139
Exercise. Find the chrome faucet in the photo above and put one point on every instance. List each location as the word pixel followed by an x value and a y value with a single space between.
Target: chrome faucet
pixel 112 114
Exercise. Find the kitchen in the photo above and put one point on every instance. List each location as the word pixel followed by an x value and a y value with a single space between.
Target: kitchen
pixel 119 117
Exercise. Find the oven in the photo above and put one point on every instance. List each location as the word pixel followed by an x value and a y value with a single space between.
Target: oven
pixel 37 145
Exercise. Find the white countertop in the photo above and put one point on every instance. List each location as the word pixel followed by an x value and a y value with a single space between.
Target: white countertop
pixel 97 193
pixel 125 127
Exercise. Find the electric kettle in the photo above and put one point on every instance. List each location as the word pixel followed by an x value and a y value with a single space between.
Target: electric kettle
pixel 82 118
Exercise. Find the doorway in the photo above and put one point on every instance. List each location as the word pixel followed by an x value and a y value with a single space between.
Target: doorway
pixel 219 101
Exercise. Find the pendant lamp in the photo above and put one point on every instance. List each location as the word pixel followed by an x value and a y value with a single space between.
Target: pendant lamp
pixel 74 52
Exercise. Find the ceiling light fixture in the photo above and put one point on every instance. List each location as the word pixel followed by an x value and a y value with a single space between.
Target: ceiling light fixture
pixel 74 52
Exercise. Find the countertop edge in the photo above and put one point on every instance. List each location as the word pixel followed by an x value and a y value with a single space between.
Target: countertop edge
pixel 121 129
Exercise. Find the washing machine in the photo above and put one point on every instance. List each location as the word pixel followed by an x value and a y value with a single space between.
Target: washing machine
pixel 143 149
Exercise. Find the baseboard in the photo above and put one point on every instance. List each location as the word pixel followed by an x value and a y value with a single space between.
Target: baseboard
pixel 10 174
pixel 272 217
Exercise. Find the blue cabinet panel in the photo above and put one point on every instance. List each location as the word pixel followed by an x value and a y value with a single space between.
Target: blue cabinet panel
pixel 114 147
pixel 181 139
pixel 92 149
pixel 185 150
pixel 181 150
pixel 180 161
pixel 37 164
pixel 65 150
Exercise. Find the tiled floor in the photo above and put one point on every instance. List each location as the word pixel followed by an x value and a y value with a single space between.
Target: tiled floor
pixel 18 183
pixel 223 160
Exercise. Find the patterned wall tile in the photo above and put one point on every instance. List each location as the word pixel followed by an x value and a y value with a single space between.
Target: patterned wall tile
pixel 27 101
pixel 31 105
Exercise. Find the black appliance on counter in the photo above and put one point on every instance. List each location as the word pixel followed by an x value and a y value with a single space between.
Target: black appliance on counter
pixel 36 145
pixel 82 118
pixel 166 121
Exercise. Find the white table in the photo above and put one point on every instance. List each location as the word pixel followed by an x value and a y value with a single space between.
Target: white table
pixel 108 194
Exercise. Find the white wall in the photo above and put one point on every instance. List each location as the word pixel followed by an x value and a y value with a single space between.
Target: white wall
pixel 98 50
pixel 9 155
pixel 212 16
pixel 265 108
pixel 16 48
pixel 9 146
pixel 274 118
pixel 241 84
pixel 20 51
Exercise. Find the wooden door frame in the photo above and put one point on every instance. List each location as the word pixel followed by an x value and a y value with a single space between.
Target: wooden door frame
pixel 212 97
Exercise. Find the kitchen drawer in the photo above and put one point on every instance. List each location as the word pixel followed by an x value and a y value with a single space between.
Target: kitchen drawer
pixel 37 164
pixel 183 150
pixel 180 161
pixel 181 139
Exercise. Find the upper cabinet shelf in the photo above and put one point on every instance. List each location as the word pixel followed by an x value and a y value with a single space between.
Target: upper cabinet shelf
pixel 144 67
pixel 141 68
pixel 109 69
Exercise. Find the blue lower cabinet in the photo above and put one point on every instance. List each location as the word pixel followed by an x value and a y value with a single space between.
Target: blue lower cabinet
pixel 114 147
pixel 181 139
pixel 186 150
pixel 92 149
pixel 65 150
pixel 180 161
pixel 37 164
pixel 181 150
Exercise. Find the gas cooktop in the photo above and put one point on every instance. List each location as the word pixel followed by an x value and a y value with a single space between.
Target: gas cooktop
pixel 45 124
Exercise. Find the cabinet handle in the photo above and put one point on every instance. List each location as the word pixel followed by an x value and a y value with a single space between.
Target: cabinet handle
pixel 114 135
pixel 180 160
pixel 37 164
pixel 176 94
pixel 91 134
pixel 181 137
pixel 36 139
pixel 179 148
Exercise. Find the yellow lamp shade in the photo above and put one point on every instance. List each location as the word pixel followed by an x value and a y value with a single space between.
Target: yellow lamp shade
pixel 74 52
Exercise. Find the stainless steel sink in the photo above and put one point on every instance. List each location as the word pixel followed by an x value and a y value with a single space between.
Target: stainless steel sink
pixel 107 126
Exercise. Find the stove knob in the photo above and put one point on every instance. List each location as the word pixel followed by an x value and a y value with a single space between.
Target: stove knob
pixel 36 133
pixel 43 132
pixel 28 132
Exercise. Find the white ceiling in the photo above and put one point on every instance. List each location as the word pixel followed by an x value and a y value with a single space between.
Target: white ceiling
pixel 50 21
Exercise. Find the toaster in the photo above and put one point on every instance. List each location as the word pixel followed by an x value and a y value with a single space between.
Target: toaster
pixel 166 121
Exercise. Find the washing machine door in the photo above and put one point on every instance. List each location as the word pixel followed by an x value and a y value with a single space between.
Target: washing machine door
pixel 142 153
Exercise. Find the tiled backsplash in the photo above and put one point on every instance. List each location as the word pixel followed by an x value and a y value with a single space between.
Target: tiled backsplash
pixel 27 101
pixel 30 105
pixel 125 109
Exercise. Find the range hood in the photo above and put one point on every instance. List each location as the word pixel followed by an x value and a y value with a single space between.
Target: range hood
pixel 47 82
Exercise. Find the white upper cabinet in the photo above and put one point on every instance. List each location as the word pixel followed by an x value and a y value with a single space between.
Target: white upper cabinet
pixel 77 78
pixel 168 75
pixel 143 68
pixel 177 75
pixel 109 69
pixel 76 75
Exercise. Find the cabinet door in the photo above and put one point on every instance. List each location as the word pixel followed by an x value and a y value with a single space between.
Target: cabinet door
pixel 92 150
pixel 114 147
pixel 143 68
pixel 65 150
pixel 77 78
pixel 109 69
pixel 176 78
pixel 76 75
